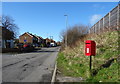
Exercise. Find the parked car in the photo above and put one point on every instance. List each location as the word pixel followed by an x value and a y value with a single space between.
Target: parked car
pixel 36 45
pixel 19 45
pixel 28 47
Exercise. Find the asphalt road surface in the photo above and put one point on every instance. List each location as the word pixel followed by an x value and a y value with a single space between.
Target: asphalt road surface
pixel 35 66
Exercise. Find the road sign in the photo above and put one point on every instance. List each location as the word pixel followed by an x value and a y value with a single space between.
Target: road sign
pixel 25 40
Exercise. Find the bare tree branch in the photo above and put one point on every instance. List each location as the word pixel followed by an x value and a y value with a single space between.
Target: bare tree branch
pixel 9 26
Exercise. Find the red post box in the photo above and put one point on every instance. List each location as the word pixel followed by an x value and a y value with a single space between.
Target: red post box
pixel 90 48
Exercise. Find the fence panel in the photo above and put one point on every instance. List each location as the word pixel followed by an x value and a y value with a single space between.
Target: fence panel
pixel 110 20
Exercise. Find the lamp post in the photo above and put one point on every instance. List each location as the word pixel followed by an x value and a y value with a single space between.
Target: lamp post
pixel 66 30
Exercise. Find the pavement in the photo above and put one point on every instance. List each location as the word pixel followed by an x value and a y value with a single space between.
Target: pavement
pixel 34 66
pixel 69 79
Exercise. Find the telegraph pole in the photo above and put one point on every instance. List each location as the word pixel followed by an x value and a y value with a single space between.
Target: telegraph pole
pixel 66 30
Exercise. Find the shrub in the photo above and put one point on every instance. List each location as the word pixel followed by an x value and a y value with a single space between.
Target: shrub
pixel 74 34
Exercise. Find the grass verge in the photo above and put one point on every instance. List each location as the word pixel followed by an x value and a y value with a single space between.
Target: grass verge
pixel 73 62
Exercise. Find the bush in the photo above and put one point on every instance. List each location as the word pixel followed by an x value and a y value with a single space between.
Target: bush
pixel 74 34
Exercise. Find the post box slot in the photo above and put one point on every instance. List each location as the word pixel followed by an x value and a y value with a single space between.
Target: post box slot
pixel 87 43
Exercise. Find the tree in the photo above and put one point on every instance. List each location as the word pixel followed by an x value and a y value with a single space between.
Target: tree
pixel 9 28
pixel 7 34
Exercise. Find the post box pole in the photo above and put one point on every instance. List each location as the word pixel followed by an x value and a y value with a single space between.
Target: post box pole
pixel 90 63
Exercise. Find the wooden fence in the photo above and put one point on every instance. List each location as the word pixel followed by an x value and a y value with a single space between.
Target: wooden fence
pixel 109 21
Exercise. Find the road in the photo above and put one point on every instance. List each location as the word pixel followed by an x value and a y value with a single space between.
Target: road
pixel 35 66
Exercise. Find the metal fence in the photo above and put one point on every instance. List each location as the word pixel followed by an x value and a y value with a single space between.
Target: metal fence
pixel 109 21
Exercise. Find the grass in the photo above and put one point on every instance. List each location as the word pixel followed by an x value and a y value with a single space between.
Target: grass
pixel 70 67
pixel 73 62
pixel 106 74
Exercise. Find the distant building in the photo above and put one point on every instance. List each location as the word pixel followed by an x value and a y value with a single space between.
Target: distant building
pixel 26 38
pixel 35 40
pixel 30 38
pixel 48 41
pixel 58 43
pixel 39 39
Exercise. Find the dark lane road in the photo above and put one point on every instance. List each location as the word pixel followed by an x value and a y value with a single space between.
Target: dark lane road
pixel 35 66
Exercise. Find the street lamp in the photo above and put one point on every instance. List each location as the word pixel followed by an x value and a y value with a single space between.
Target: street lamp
pixel 66 30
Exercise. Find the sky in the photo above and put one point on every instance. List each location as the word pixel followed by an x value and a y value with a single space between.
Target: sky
pixel 47 19
pixel 60 0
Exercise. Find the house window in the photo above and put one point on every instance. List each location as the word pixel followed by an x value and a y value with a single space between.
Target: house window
pixel 25 37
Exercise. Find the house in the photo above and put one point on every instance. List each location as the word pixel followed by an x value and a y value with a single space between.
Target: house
pixel 6 38
pixel 31 39
pixel 48 41
pixel 27 38
pixel 39 39
pixel 58 43
pixel 35 40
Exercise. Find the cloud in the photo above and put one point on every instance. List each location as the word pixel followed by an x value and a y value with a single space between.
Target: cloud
pixel 95 18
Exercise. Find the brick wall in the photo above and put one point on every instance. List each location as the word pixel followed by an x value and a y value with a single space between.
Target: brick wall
pixel 26 37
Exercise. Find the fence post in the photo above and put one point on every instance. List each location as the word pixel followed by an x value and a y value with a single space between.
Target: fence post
pixel 109 19
pixel 95 28
pixel 103 23
pixel 89 31
pixel 118 18
pixel 92 29
pixel 99 26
